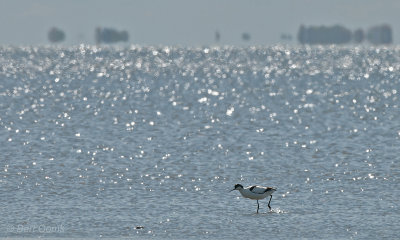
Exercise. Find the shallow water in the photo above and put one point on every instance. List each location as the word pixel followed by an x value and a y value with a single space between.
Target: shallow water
pixel 146 142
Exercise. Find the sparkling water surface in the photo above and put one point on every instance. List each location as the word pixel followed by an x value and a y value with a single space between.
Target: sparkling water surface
pixel 146 142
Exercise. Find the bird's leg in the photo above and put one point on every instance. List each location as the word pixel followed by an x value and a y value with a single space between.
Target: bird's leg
pixel 258 206
pixel 269 203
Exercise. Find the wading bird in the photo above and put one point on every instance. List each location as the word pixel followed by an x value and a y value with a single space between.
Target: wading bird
pixel 256 193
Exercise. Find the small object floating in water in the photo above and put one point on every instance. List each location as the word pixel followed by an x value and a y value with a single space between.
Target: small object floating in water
pixel 139 227
pixel 256 193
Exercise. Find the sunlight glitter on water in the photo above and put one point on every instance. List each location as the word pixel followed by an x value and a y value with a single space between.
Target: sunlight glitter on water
pixel 110 139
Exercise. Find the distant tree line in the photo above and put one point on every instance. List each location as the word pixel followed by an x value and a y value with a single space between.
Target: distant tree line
pixel 56 35
pixel 102 35
pixel 340 35
pixel 109 35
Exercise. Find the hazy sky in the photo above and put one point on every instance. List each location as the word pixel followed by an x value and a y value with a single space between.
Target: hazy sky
pixel 187 22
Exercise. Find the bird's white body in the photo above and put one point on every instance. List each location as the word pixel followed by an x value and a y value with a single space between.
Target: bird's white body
pixel 256 192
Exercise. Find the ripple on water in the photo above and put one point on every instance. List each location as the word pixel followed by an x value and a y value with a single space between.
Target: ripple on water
pixel 104 141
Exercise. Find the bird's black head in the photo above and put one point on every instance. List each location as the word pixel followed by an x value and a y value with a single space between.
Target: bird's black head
pixel 237 186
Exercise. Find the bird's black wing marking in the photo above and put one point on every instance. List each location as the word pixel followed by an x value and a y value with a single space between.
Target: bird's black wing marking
pixel 252 187
pixel 268 188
